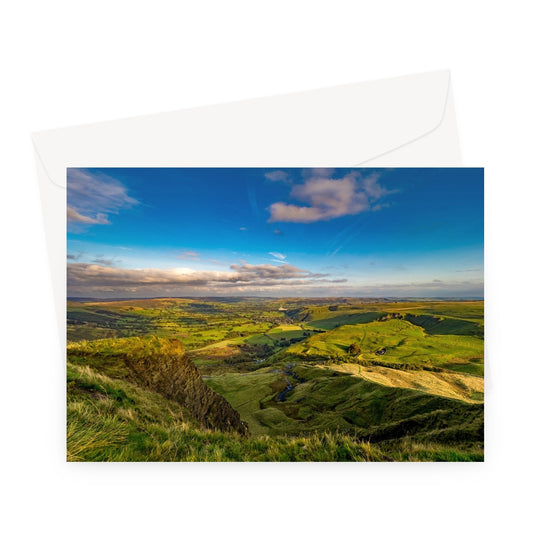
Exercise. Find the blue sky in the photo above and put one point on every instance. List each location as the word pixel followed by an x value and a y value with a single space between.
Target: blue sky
pixel 275 232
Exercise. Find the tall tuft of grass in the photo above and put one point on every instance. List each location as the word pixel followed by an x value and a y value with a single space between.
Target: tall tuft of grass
pixel 90 438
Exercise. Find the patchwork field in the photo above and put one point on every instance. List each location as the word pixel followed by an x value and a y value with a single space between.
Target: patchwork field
pixel 374 379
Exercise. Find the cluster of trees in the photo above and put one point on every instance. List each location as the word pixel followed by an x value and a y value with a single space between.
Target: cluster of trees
pixel 233 334
pixel 256 351
pixel 354 349
pixel 287 342
pixel 390 316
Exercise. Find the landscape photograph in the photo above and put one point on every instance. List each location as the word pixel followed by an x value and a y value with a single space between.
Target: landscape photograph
pixel 275 314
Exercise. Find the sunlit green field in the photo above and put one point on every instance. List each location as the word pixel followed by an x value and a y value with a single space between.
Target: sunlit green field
pixel 403 342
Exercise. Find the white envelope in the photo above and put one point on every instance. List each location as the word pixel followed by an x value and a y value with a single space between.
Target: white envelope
pixel 405 121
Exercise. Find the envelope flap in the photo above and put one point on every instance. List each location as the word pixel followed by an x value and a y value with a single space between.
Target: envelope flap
pixel 340 126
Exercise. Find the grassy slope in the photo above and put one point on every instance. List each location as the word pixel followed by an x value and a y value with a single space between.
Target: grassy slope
pixel 469 310
pixel 443 325
pixel 456 385
pixel 326 400
pixel 344 319
pixel 114 420
pixel 405 344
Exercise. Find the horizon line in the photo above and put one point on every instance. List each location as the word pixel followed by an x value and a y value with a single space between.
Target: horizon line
pixel 461 298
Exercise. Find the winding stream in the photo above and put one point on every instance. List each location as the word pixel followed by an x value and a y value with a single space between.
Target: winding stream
pixel 281 397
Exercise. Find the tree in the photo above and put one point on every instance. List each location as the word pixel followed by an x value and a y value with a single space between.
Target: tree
pixel 354 349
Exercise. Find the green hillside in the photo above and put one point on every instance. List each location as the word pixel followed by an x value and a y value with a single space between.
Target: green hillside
pixel 115 420
pixel 322 399
pixel 177 379
pixel 403 342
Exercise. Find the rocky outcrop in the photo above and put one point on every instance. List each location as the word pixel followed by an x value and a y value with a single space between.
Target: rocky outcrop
pixel 176 377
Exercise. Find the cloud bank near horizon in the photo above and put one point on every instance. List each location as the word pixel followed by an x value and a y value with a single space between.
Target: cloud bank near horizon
pixel 244 279
pixel 91 278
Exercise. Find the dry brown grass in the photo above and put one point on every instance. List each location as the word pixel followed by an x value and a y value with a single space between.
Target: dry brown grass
pixel 454 385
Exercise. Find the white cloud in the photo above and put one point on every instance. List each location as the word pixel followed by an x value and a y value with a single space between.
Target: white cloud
pixel 101 260
pixel 98 280
pixel 277 175
pixel 89 278
pixel 182 270
pixel 318 172
pixel 189 255
pixel 74 216
pixel 92 197
pixel 329 198
pixel 278 256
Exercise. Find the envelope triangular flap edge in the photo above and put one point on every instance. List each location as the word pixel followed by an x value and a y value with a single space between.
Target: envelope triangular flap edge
pixel 339 126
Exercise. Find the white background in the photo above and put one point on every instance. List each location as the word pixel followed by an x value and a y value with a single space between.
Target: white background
pixel 67 63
